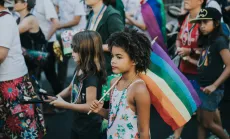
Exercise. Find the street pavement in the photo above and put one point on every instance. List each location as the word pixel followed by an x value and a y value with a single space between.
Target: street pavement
pixel 59 125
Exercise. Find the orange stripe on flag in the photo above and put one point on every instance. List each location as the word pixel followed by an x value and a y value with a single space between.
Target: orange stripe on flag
pixel 163 105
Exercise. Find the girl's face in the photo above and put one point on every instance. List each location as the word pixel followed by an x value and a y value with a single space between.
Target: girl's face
pixel 76 57
pixel 19 5
pixel 121 61
pixel 92 2
pixel 206 26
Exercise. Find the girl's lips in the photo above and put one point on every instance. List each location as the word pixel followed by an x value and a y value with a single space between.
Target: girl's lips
pixel 114 67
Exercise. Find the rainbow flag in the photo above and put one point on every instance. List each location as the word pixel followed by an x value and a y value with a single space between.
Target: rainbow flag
pixel 155 19
pixel 171 93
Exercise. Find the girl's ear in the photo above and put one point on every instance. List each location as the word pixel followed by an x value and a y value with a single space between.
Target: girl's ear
pixel 135 63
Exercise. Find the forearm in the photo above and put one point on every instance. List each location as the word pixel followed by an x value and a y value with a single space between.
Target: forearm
pixel 104 113
pixel 66 92
pixel 225 74
pixel 192 61
pixel 69 24
pixel 144 135
pixel 53 29
pixel 83 108
pixel 142 26
pixel 75 21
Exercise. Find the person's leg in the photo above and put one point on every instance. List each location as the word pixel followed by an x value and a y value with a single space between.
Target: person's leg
pixel 201 129
pixel 50 71
pixel 208 122
pixel 217 118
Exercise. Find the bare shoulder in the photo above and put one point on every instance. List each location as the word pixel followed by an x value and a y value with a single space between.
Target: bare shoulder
pixel 139 87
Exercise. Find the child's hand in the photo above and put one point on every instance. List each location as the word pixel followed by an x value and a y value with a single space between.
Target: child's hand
pixel 209 89
pixel 50 98
pixel 96 106
pixel 183 51
pixel 59 102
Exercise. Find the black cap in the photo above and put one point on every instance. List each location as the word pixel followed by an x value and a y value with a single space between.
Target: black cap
pixel 208 14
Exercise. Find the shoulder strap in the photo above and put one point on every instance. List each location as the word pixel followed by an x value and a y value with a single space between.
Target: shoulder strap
pixel 3 13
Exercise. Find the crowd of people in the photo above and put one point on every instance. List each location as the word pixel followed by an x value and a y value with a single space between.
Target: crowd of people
pixel 112 38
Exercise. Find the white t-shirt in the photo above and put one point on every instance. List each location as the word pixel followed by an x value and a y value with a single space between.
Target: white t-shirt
pixel 70 8
pixel 14 65
pixel 44 11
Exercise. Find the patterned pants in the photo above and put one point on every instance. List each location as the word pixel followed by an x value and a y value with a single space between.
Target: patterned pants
pixel 19 120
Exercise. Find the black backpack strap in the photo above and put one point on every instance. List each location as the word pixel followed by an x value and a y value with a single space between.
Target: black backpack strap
pixel 3 13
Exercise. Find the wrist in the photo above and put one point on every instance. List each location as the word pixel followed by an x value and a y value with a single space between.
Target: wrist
pixel 215 85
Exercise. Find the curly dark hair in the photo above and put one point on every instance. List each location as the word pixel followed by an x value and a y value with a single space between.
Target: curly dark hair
pixel 135 44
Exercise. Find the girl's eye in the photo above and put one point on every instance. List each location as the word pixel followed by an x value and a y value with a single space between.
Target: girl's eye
pixel 119 57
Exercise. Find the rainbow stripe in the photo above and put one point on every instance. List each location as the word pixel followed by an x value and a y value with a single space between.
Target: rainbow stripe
pixel 171 93
pixel 155 19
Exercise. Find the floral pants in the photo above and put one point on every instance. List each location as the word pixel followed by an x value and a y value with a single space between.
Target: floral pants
pixel 19 121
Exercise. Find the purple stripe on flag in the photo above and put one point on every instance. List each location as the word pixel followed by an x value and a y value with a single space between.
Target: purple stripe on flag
pixel 152 25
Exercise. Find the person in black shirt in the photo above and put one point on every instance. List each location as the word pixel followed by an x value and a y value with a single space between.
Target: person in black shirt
pixel 213 69
pixel 86 85
pixel 31 35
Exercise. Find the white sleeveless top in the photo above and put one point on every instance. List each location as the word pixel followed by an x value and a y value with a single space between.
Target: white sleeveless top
pixel 122 120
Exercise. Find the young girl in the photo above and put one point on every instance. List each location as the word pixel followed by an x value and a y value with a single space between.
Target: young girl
pixel 86 85
pixel 129 112
pixel 212 72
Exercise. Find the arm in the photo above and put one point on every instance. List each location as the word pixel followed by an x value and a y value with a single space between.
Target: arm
pixel 3 53
pixel 134 22
pixel 191 60
pixel 91 93
pixel 225 54
pixel 54 27
pixel 66 92
pixel 25 25
pixel 71 23
pixel 142 100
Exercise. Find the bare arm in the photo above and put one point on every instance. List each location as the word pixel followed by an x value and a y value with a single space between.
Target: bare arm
pixel 3 53
pixel 66 92
pixel 132 21
pixel 191 60
pixel 71 23
pixel 91 93
pixel 225 54
pixel 54 27
pixel 142 100
pixel 25 25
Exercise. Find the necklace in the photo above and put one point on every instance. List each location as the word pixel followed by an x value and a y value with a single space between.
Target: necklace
pixel 203 58
pixel 95 22
pixel 117 110
pixel 187 32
